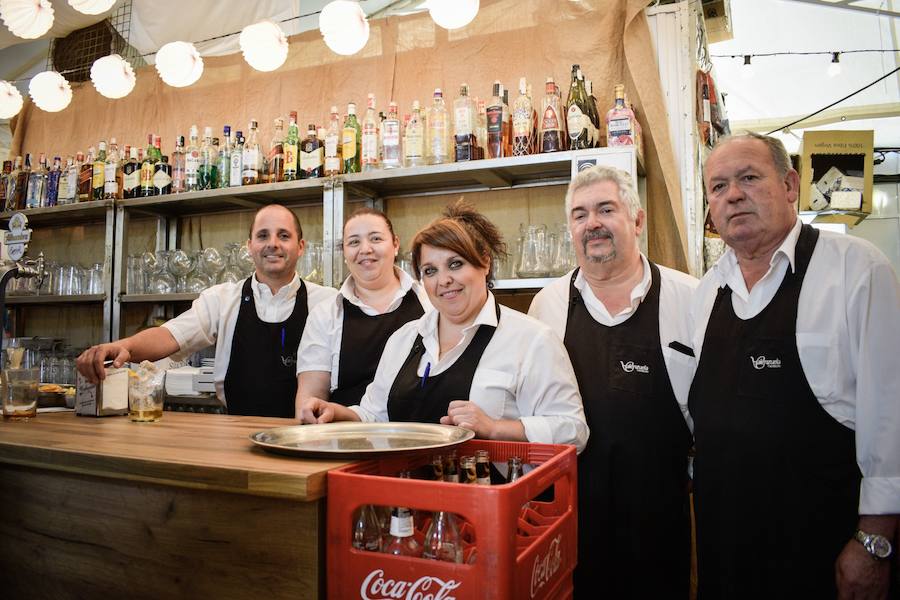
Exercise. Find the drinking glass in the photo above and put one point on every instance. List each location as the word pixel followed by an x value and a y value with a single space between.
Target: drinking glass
pixel 533 261
pixel 245 261
pixel 93 279
pixel 20 393
pixel 180 264
pixel 232 273
pixel 134 283
pixel 211 262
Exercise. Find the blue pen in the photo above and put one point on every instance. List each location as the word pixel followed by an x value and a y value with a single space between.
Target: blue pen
pixel 425 375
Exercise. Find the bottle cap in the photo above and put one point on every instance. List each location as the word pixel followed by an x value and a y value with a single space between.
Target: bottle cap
pixel 227 130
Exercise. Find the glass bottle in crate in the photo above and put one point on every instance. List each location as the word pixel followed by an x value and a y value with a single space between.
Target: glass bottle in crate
pixel 402 541
pixel 514 470
pixel 451 468
pixel 366 529
pixel 437 467
pixel 482 467
pixel 442 539
pixel 468 472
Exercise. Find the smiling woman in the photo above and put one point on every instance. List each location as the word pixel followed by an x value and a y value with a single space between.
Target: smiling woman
pixel 470 362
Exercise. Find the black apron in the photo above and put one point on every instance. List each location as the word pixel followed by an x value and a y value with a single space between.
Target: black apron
pixel 362 341
pixel 426 399
pixel 262 369
pixel 776 484
pixel 633 515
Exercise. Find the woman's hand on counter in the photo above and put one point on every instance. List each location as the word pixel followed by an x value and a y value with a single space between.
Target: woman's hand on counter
pixel 464 413
pixel 315 410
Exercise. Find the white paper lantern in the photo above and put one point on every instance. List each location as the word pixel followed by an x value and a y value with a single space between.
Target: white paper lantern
pixel 453 14
pixel 91 7
pixel 179 64
pixel 344 26
pixel 50 91
pixel 264 45
pixel 27 19
pixel 10 100
pixel 112 76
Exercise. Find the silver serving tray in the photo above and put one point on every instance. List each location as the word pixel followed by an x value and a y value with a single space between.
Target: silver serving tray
pixel 358 440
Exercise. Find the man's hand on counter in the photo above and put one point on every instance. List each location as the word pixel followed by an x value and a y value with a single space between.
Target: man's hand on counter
pixel 91 362
pixel 151 344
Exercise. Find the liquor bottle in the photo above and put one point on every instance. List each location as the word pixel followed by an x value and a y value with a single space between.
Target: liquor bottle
pixel 401 541
pixel 53 178
pixel 507 122
pixel 619 121
pixel 369 143
pixel 442 539
pixel 312 155
pixel 178 166
pixel 111 172
pixel 162 177
pixel 22 180
pixel 291 148
pixel 4 183
pixel 437 148
pixel 36 194
pixel 464 125
pixel 131 176
pixel 392 152
pixel 12 186
pixel 333 144
pixel 481 135
pixel 482 467
pixel 252 158
pixel 192 161
pixel 275 158
pixel 522 121
pixel 366 529
pixel 237 160
pixel 69 194
pixel 600 122
pixel 98 178
pixel 495 124
pixel 578 120
pixel 414 151
pixel 552 134
pixel 208 171
pixel 85 177
pixel 147 168
pixel 223 164
pixel 350 141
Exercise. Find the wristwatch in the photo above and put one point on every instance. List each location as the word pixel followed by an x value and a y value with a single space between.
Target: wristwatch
pixel 876 545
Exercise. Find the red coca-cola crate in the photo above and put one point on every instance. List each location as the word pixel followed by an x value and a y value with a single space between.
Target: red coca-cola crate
pixel 521 553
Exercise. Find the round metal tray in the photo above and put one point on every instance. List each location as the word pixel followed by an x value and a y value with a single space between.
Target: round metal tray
pixel 354 440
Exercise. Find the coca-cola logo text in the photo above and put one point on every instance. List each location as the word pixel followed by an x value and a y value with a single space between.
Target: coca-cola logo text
pixel 376 587
pixel 545 567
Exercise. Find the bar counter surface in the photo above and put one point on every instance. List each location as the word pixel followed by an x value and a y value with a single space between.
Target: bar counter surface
pixel 185 507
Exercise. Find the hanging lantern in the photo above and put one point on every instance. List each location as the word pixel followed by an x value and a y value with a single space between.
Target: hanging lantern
pixel 10 100
pixel 264 45
pixel 50 91
pixel 344 26
pixel 179 64
pixel 453 14
pixel 91 7
pixel 112 76
pixel 27 19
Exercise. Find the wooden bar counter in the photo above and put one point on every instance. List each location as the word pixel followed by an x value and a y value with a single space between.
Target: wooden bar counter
pixel 186 507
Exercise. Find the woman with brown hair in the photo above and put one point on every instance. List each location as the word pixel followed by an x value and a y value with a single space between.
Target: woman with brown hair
pixel 470 362
pixel 343 339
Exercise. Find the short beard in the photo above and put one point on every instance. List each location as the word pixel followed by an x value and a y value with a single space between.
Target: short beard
pixel 599 235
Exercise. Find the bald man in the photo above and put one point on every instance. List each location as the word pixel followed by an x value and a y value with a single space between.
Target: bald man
pixel 255 325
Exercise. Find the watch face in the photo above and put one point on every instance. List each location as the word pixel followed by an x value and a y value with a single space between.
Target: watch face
pixel 880 547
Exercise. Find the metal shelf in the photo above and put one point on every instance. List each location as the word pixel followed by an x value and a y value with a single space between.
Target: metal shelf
pixel 304 191
pixel 79 299
pixel 66 214
pixel 156 298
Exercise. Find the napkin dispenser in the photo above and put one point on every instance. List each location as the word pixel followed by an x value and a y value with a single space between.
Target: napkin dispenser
pixel 203 380
pixel 106 398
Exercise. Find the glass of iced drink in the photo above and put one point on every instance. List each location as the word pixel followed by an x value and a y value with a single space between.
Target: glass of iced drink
pixel 146 393
pixel 20 393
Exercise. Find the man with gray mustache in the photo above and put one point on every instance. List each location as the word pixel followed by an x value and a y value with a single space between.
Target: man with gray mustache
pixel 622 321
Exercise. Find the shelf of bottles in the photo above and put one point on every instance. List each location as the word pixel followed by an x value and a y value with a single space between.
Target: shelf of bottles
pixel 68 214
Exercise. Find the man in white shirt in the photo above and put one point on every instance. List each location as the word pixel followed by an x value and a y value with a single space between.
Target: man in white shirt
pixel 796 398
pixel 623 322
pixel 255 325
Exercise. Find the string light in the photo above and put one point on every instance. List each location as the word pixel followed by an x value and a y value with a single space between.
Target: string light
pixel 50 91
pixel 112 76
pixel 264 46
pixel 834 68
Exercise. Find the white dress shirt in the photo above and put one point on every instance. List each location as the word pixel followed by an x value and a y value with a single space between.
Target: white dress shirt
pixel 848 338
pixel 524 374
pixel 213 315
pixel 320 347
pixel 551 306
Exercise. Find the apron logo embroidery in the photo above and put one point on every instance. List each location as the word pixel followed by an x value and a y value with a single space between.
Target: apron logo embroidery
pixel 630 367
pixel 289 361
pixel 761 362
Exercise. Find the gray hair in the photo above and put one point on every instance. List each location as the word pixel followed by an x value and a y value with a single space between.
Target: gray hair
pixel 628 193
pixel 780 157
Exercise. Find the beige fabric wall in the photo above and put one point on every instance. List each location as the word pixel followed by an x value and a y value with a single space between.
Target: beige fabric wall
pixel 406 57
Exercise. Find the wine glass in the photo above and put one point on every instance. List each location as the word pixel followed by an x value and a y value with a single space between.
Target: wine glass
pixel 180 264
pixel 232 272
pixel 211 262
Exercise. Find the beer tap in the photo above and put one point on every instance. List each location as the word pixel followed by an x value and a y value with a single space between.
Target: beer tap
pixel 14 265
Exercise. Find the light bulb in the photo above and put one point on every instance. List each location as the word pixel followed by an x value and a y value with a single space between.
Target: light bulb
pixel 10 100
pixel 113 76
pixel 29 19
pixel 179 64
pixel 264 45
pixel 50 91
pixel 453 14
pixel 344 27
